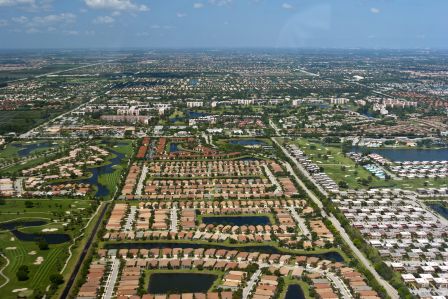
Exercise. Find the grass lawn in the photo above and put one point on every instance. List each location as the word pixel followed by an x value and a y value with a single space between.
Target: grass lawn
pixel 112 180
pixel 230 246
pixel 332 159
pixel 27 252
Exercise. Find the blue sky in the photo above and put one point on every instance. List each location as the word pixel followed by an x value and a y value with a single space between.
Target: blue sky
pixel 223 23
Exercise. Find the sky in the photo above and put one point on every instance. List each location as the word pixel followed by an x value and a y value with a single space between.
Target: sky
pixel 402 24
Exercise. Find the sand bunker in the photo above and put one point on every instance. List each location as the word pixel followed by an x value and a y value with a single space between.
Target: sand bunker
pixel 39 260
pixel 49 230
pixel 32 252
pixel 10 248
pixel 19 290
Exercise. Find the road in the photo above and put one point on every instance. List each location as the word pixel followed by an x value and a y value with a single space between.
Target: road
pixel 1 271
pixel 251 284
pixel 276 129
pixel 141 180
pixel 364 261
pixel 299 166
pixel 130 219
pixel 30 132
pixel 273 179
pixel 299 221
pixel 173 218
pixel 83 255
pixel 111 279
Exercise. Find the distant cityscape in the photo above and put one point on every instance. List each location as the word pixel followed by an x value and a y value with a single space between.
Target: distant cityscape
pixel 254 174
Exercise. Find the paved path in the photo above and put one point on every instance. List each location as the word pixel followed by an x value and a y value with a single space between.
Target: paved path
pixel 299 221
pixel 109 286
pixel 1 271
pixel 130 219
pixel 251 284
pixel 364 261
pixel 273 179
pixel 173 218
pixel 141 180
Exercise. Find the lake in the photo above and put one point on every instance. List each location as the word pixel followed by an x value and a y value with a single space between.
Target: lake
pixel 294 292
pixel 247 142
pixel 164 283
pixel 440 209
pixel 50 238
pixel 102 190
pixel 404 154
pixel 26 149
pixel 236 220
pixel 332 255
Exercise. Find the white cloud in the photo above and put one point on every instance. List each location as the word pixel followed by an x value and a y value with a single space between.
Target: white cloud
pixel 16 2
pixel 198 5
pixel 70 32
pixel 104 20
pixel 375 10
pixel 33 24
pixel 220 2
pixel 287 6
pixel 181 15
pixel 125 5
pixel 52 19
pixel 20 20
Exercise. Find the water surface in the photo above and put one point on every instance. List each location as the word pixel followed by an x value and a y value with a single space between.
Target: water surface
pixel 164 283
pixel 236 220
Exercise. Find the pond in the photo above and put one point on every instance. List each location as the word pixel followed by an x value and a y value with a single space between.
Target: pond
pixel 404 154
pixel 247 142
pixel 193 114
pixel 236 220
pixel 174 147
pixel 49 238
pixel 164 283
pixel 440 209
pixel 26 149
pixel 102 191
pixel 294 292
pixel 248 159
pixel 332 255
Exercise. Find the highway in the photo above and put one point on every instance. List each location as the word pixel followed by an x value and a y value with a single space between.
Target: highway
pixel 83 255
pixel 364 261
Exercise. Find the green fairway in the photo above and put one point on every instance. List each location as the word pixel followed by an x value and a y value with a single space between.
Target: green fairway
pixel 341 168
pixel 63 216
pixel 111 180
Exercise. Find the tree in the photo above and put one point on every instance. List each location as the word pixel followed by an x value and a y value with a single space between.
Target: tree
pixel 43 244
pixel 29 204
pixel 56 279
pixel 22 273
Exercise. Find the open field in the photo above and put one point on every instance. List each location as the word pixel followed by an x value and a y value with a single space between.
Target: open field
pixel 20 121
pixel 41 263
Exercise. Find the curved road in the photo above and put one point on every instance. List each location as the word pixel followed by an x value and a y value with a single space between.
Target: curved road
pixel 364 261
pixel 1 271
